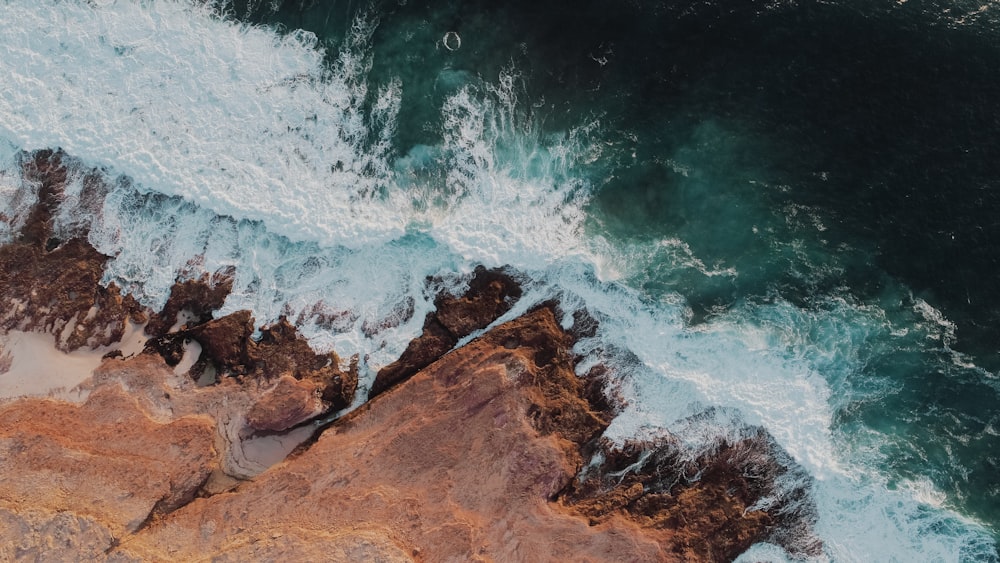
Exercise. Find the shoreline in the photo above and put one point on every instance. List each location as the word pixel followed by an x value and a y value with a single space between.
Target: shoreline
pixel 473 428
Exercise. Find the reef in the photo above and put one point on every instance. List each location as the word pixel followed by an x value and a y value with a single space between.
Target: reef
pixel 226 440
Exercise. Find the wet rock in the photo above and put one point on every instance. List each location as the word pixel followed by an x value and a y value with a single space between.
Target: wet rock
pixel 287 404
pixel 199 297
pixel 228 345
pixel 54 286
pixel 45 169
pixel 560 400
pixel 452 464
pixel 422 351
pixel 281 349
pixel 709 507
pixel 491 293
pixel 225 340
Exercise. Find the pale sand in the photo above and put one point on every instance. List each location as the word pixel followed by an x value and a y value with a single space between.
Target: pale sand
pixel 38 368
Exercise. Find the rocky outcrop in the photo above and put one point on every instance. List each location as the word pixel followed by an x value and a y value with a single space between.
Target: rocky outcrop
pixel 199 298
pixel 478 458
pixel 489 451
pixel 53 286
pixel 228 346
pixel 491 293
pixel 93 472
pixel 708 507
pixel 457 463
pixel 288 403
pixel 225 341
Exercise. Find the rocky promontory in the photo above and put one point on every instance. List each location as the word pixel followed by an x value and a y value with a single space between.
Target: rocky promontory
pixel 223 440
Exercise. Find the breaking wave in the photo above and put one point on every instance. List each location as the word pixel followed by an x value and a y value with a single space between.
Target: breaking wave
pixel 226 146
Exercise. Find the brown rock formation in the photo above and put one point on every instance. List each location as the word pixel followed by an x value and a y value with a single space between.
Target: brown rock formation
pixel 473 458
pixel 462 462
pixel 491 293
pixel 288 403
pixel 225 340
pixel 228 343
pixel 703 508
pixel 282 350
pixel 457 463
pixel 92 472
pixel 54 286
pixel 475 454
pixel 200 297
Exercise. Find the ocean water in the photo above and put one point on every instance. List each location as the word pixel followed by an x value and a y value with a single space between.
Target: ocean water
pixel 783 211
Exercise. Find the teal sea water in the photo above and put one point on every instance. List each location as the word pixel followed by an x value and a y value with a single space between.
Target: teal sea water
pixel 785 210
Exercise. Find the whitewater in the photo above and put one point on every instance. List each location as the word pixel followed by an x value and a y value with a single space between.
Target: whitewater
pixel 230 146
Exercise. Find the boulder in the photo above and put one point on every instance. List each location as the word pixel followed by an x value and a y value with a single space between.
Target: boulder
pixel 288 403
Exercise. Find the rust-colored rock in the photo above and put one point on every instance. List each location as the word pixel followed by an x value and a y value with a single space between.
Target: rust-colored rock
pixel 199 297
pixel 422 351
pixel 45 168
pixel 104 465
pixel 475 454
pixel 288 403
pixel 228 343
pixel 477 457
pixel 281 349
pixel 456 463
pixel 491 293
pixel 463 461
pixel 705 509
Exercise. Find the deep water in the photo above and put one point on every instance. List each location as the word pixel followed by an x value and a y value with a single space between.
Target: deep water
pixel 789 210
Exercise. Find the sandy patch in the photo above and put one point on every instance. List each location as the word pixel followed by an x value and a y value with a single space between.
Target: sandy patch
pixel 36 368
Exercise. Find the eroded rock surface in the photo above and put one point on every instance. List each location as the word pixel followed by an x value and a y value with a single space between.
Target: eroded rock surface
pixel 482 453
pixel 459 462
pixel 491 293
pixel 53 286
pixel 475 459
pixel 708 508
pixel 288 403
pixel 93 472
pixel 228 346
pixel 199 298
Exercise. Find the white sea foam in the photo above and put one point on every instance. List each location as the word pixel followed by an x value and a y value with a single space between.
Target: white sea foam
pixel 239 119
pixel 788 370
pixel 242 150
pixel 262 145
